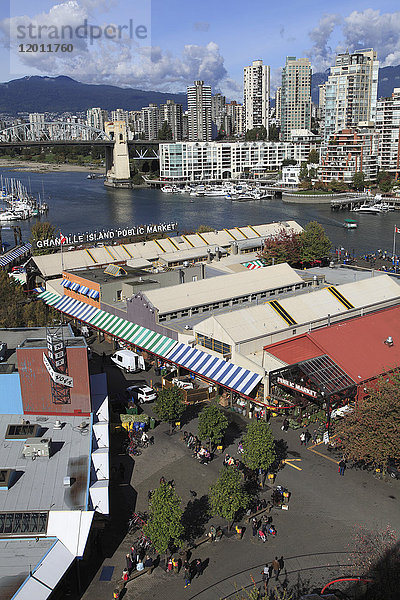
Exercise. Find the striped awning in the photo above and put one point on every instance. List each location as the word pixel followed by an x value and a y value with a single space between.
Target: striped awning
pixel 10 256
pixel 66 283
pixel 216 369
pixel 206 365
pixel 93 294
pixel 254 264
pixel 38 290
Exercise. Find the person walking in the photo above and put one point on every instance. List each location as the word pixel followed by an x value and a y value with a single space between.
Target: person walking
pixel 254 526
pixel 275 567
pixel 169 565
pixel 175 565
pixel 307 436
pixel 187 573
pixel 129 563
pixel 281 563
pixel 342 467
pixel 199 567
pixel 302 438
pixel 285 425
pixel 265 576
pixel 125 576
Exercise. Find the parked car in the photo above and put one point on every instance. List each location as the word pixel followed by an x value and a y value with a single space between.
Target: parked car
pixel 141 393
pixel 393 468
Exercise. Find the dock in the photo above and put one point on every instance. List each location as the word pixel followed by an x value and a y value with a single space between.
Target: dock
pixel 355 201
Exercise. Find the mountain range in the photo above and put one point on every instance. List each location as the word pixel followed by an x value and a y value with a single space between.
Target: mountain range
pixel 63 94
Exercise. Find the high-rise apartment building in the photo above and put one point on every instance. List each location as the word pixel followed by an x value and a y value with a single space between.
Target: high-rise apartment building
pixel 351 91
pixel 150 121
pixel 235 112
pixel 199 112
pixel 135 122
pixel 218 110
pixel 172 114
pixel 120 114
pixel 96 117
pixel 36 123
pixel 388 127
pixel 296 96
pixel 256 85
pixel 278 105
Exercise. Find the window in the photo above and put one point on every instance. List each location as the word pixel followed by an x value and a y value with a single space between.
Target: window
pixel 194 278
pixel 119 295
pixel 212 344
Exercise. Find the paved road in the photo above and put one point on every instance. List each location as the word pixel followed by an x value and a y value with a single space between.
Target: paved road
pixel 314 535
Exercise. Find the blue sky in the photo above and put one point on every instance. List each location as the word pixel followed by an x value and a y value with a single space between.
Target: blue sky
pixel 198 40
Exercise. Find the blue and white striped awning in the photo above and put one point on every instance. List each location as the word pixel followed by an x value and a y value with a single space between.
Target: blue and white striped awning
pixel 199 362
pixel 216 369
pixel 84 290
pixel 93 294
pixel 66 283
pixel 39 290
pixel 74 286
pixel 10 256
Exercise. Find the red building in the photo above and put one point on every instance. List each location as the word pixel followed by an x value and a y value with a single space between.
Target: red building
pixel 36 383
pixel 335 365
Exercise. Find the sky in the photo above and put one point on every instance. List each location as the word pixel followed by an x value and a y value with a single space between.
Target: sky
pixel 165 45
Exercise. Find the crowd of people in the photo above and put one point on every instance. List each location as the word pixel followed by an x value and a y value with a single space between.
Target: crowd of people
pixel 198 450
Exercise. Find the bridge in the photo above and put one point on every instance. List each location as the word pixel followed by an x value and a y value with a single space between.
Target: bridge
pixel 114 138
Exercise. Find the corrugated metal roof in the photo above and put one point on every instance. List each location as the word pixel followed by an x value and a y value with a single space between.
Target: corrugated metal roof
pixel 216 289
pixel 294 350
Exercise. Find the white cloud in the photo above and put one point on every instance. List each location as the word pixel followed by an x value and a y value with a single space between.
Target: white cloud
pixel 371 29
pixel 321 54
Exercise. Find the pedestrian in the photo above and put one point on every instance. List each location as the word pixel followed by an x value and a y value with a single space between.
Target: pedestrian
pixel 302 438
pixel 199 567
pixel 133 554
pixel 275 567
pixel 125 575
pixel 315 436
pixel 342 467
pixel 187 573
pixel 307 436
pixel 169 565
pixel 213 533
pixel 281 563
pixel 129 563
pixel 254 526
pixel 148 562
pixel 285 425
pixel 265 576
pixel 175 565
pixel 121 470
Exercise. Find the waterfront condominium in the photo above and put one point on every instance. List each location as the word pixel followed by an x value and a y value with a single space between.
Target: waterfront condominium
pixel 199 112
pixel 256 95
pixel 295 96
pixel 351 91
pixel 388 127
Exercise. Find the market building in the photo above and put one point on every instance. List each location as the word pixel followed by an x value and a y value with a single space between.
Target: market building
pixel 336 366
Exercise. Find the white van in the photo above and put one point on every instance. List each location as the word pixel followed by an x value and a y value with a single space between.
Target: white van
pixel 129 361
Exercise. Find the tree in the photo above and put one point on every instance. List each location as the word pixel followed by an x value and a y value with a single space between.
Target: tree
pixel 285 246
pixel 41 231
pixel 16 309
pixel 212 424
pixel 165 133
pixel 204 229
pixel 164 526
pixel 315 245
pixel 303 173
pixel 258 446
pixel 169 405
pixel 273 134
pixel 313 157
pixel 385 182
pixel 258 133
pixel 358 180
pixel 227 495
pixel 370 432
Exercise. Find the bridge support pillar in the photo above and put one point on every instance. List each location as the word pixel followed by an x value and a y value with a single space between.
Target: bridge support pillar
pixel 118 173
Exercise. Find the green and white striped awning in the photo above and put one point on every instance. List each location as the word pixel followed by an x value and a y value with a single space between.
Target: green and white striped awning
pixel 116 326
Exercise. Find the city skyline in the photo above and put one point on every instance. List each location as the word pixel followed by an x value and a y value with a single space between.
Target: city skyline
pixel 179 46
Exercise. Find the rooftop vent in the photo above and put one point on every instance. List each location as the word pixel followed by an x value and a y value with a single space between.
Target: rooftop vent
pixel 389 341
pixel 22 431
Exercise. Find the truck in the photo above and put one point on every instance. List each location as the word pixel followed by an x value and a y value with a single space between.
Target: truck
pixel 129 361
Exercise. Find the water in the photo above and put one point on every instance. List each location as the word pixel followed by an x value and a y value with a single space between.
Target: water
pixel 78 204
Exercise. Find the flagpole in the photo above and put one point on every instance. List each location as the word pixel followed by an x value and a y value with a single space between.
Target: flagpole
pixel 394 248
pixel 62 256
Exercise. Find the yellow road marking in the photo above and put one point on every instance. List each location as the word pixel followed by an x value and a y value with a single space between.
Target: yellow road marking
pixel 288 461
pixel 311 449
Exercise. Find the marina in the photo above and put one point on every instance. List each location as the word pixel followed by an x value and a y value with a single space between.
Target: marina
pixel 17 203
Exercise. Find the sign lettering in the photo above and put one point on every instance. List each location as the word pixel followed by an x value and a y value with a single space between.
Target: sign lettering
pixel 57 377
pixel 74 239
pixel 297 387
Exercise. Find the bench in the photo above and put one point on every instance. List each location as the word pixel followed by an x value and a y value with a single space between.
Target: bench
pixel 139 573
pixel 260 512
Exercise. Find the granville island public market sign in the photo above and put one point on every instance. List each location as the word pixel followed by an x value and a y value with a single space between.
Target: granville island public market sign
pixel 104 236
